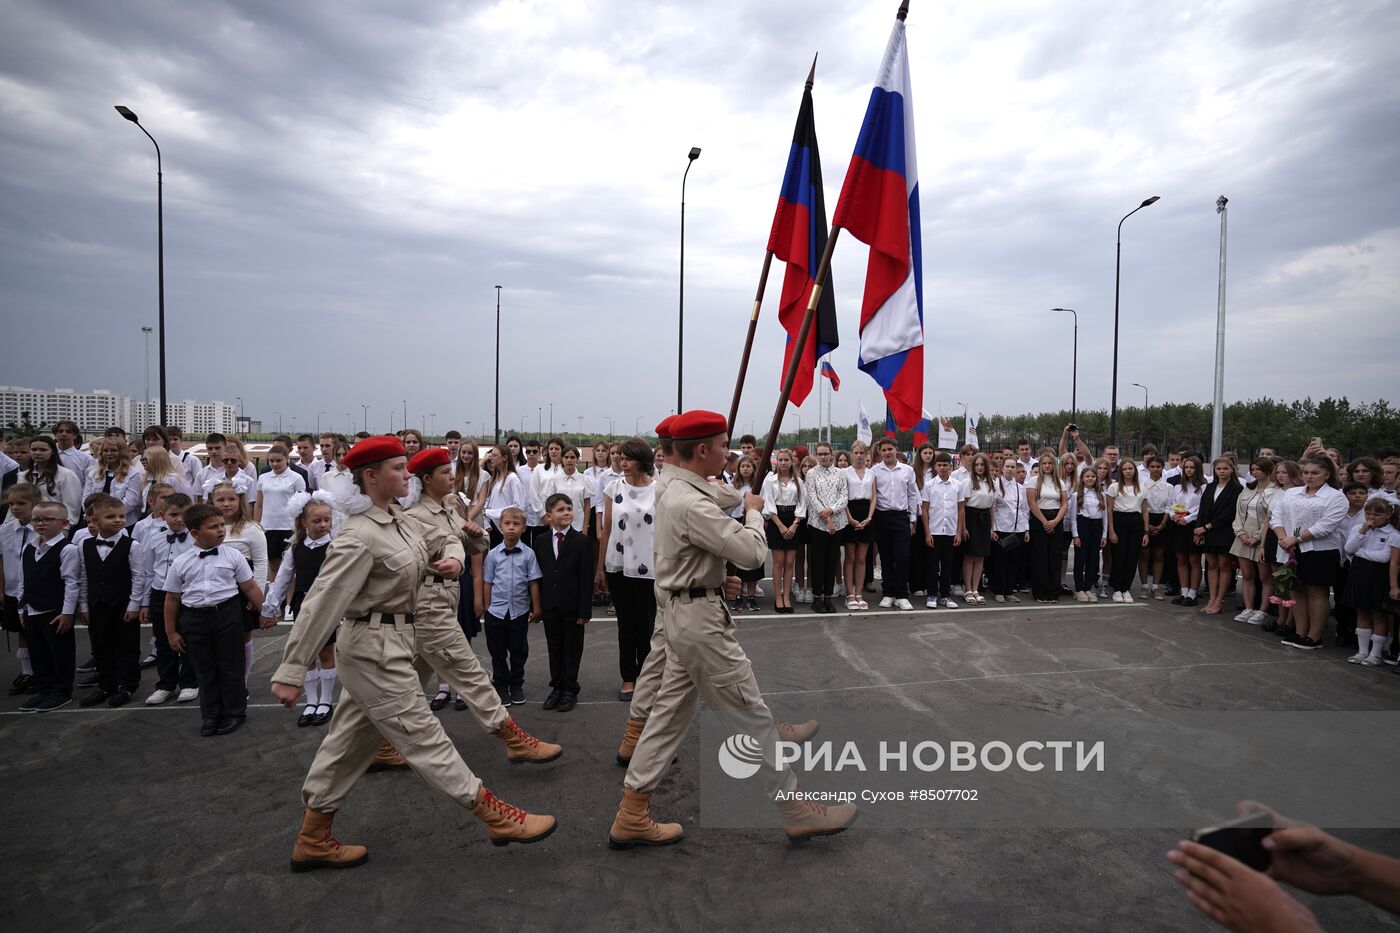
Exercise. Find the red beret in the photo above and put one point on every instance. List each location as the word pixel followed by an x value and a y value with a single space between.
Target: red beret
pixel 374 449
pixel 801 451
pixel 698 424
pixel 429 459
pixel 663 430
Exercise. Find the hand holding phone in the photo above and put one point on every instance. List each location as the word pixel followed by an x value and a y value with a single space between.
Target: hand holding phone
pixel 1241 838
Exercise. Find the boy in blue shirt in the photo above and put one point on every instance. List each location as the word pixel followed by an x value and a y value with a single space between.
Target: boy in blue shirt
pixel 511 577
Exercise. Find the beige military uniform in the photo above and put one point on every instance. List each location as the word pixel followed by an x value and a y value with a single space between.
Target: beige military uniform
pixel 693 540
pixel 370 580
pixel 649 679
pixel 438 637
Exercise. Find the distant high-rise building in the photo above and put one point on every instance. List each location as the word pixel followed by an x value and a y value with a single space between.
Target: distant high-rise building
pixel 100 409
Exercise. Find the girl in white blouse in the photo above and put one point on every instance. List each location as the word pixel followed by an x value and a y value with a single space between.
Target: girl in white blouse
pixel 782 508
pixel 980 499
pixel 114 474
pixel 1370 546
pixel 1153 562
pixel 628 546
pixel 824 502
pixel 56 482
pixel 504 491
pixel 1088 527
pixel 1307 520
pixel 1049 508
pixel 1186 504
pixel 1251 526
pixel 276 488
pixel 1127 528
pixel 1010 520
pixel 247 538
pixel 747 600
pixel 860 495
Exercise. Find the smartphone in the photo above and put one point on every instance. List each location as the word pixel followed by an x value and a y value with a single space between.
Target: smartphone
pixel 1241 838
pixel 1317 441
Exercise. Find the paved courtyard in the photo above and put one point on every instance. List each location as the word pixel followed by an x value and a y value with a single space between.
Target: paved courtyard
pixel 126 819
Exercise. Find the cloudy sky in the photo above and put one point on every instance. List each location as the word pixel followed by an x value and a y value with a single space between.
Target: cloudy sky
pixel 346 182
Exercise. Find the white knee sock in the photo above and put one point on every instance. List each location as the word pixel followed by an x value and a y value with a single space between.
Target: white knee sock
pixel 327 686
pixel 311 683
pixel 247 661
pixel 25 667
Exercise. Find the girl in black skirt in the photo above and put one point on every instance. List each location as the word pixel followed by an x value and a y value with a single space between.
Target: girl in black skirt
pixel 782 497
pixel 747 600
pixel 1368 584
pixel 860 532
pixel 1308 521
pixel 1214 531
pixel 981 498
pixel 1181 518
pixel 311 536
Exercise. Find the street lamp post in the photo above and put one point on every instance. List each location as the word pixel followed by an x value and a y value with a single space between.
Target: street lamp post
pixel 522 423
pixel 498 364
pixel 279 421
pixel 580 425
pixel 1074 372
pixel 637 427
pixel 1143 433
pixel 1117 278
pixel 318 423
pixel 432 423
pixel 680 318
pixel 1217 416
pixel 239 399
pixel 610 426
pixel 160 251
pixel 404 424
pixel 146 401
pixel 366 408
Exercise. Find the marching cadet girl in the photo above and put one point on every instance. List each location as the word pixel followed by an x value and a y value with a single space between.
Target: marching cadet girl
pixel 371 580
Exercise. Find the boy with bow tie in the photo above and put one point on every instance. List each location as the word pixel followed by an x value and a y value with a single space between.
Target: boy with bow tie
pixel 166 540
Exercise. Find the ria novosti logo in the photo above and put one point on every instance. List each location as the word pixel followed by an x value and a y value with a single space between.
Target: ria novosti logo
pixel 740 756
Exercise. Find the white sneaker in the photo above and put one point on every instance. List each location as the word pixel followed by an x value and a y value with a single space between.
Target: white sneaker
pixel 1127 597
pixel 839 591
pixel 887 602
pixel 919 593
pixel 949 604
pixel 879 573
pixel 906 605
pixel 999 598
pixel 1244 615
pixel 1360 656
pixel 187 695
pixel 1014 598
pixel 1373 660
pixel 1117 597
pixel 958 590
pixel 159 697
pixel 1258 617
pixel 757 589
pixel 931 603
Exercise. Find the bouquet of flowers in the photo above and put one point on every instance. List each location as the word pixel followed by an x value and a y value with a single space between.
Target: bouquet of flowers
pixel 1285 579
pixel 1179 511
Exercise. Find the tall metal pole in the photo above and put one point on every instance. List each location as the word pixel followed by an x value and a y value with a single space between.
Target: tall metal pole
pixel 1217 417
pixel 1074 372
pixel 1117 278
pixel 1145 407
pixel 146 399
pixel 404 424
pixel 160 252
pixel 497 364
pixel 680 317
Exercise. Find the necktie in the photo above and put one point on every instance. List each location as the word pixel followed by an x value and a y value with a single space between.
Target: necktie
pixel 209 553
pixel 558 542
pixel 102 542
pixel 179 536
pixel 107 486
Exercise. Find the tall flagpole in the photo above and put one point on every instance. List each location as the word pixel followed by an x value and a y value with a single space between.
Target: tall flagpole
pixel 757 304
pixel 799 345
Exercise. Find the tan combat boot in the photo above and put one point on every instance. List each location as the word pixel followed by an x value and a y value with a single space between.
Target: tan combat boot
pixel 521 746
pixel 317 848
pixel 387 759
pixel 506 824
pixel 635 827
pixel 629 741
pixel 796 731
pixel 803 819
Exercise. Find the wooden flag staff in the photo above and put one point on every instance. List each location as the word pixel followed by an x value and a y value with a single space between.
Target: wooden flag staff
pixel 757 304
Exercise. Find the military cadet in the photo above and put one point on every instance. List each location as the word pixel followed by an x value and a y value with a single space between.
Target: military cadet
pixel 370 579
pixel 694 538
pixel 438 637
pixel 644 694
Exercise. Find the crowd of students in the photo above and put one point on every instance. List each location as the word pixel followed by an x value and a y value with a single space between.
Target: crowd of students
pixel 124 533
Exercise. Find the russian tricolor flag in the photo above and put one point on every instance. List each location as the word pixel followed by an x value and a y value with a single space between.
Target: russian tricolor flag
pixel 829 372
pixel 799 238
pixel 879 205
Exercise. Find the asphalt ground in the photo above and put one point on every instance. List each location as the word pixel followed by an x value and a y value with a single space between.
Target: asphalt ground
pixel 126 819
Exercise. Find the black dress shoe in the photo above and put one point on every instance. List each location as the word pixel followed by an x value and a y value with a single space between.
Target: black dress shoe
pixel 87 667
pixel 567 702
pixel 552 701
pixel 624 696
pixel 208 727
pixel 97 696
pixel 517 694
pixel 459 705
pixel 119 697
pixel 229 724
pixel 439 701
pixel 88 680
pixel 20 685
pixel 308 715
pixel 323 718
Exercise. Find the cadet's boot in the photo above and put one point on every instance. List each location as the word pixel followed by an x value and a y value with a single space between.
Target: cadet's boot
pixel 796 731
pixel 629 741
pixel 635 827
pixel 506 824
pixel 803 819
pixel 522 746
pixel 317 848
pixel 387 758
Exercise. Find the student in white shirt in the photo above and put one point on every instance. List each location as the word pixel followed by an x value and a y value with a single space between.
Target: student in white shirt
pixel 824 496
pixel 1307 520
pixel 1370 545
pixel 15 535
pixel 1152 563
pixel 504 491
pixel 69 441
pixel 526 472
pixel 1011 521
pixel 114 474
pixel 306 459
pixel 1049 506
pixel 570 482
pixel 943 501
pixel 783 511
pixel 919 557
pixel 56 482
pixel 896 511
pixel 552 465
pixel 245 537
pixel 275 489
pixel 747 600
pixel 1181 516
pixel 1127 528
pixel 1088 527
pixel 168 539
pixel 860 530
pixel 980 498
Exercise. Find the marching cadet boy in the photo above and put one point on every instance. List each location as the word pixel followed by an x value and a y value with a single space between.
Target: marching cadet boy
pixel 438 637
pixel 694 538
pixel 371 580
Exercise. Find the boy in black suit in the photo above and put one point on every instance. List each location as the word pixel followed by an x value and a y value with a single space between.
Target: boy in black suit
pixel 566 595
